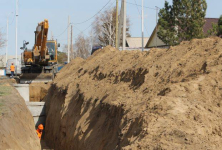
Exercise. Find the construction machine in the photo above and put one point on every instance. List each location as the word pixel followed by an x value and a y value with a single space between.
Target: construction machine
pixel 40 63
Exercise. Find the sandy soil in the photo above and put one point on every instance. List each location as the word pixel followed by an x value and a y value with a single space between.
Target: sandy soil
pixel 17 129
pixel 161 99
pixel 37 91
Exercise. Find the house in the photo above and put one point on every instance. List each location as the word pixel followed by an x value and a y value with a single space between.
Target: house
pixel 135 42
pixel 154 41
pixel 208 24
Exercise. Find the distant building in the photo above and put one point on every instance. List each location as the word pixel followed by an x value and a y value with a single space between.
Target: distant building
pixel 208 24
pixel 135 42
pixel 3 59
pixel 154 41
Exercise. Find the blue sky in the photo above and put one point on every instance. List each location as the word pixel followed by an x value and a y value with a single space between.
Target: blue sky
pixel 56 11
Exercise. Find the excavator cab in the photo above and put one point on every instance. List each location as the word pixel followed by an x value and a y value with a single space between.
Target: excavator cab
pixel 52 50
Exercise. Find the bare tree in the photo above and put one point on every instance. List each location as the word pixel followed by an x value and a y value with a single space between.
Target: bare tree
pixel 2 62
pixel 2 40
pixel 82 47
pixel 65 50
pixel 104 27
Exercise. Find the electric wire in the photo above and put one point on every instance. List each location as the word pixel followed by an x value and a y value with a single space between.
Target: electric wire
pixel 62 32
pixel 82 31
pixel 85 20
pixel 141 6
pixel 12 20
pixel 94 14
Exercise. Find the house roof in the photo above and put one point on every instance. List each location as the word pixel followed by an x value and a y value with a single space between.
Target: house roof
pixel 208 24
pixel 136 42
pixel 151 38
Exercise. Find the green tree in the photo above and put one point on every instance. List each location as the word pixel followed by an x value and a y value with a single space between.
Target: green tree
pixel 213 31
pixel 62 57
pixel 186 17
pixel 220 26
pixel 167 25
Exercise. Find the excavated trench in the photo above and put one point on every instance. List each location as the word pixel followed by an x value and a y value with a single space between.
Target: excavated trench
pixel 83 123
pixel 90 120
pixel 33 95
pixel 161 99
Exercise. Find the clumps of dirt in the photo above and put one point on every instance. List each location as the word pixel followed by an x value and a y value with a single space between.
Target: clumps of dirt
pixel 17 129
pixel 38 91
pixel 160 99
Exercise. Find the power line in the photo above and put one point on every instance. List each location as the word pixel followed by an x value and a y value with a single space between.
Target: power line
pixel 141 6
pixel 12 20
pixel 62 32
pixel 94 14
pixel 85 20
pixel 90 24
pixel 100 12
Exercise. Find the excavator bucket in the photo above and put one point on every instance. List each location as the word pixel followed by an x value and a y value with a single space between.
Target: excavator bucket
pixel 27 78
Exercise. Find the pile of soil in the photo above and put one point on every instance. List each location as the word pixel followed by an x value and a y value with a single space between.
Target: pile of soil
pixel 17 129
pixel 38 91
pixel 160 99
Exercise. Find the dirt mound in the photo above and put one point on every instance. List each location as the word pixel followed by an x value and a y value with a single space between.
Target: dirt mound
pixel 37 91
pixel 17 129
pixel 161 99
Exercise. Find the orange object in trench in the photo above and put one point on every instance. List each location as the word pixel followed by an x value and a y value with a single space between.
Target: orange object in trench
pixel 39 131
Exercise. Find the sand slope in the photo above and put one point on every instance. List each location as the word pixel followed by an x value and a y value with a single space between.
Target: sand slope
pixel 17 129
pixel 161 99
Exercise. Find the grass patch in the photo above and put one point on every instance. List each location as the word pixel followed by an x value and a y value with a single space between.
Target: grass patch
pixel 5 90
pixel 1 109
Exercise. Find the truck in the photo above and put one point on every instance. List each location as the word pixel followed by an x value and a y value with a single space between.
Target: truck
pixel 40 63
pixel 18 65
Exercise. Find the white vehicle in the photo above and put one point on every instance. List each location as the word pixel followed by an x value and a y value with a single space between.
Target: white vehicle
pixel 17 68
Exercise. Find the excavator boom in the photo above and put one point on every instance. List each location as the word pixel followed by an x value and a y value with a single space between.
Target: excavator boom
pixel 40 49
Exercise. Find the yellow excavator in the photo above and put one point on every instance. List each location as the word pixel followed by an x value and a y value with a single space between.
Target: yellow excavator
pixel 40 63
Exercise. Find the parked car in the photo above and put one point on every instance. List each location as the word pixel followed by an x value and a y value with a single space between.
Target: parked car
pixel 95 48
pixel 17 69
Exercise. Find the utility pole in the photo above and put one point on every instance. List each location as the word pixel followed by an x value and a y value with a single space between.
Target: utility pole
pixel 71 45
pixel 124 24
pixel 16 35
pixel 68 53
pixel 142 28
pixel 120 23
pixel 156 23
pixel 52 35
pixel 6 52
pixel 117 24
